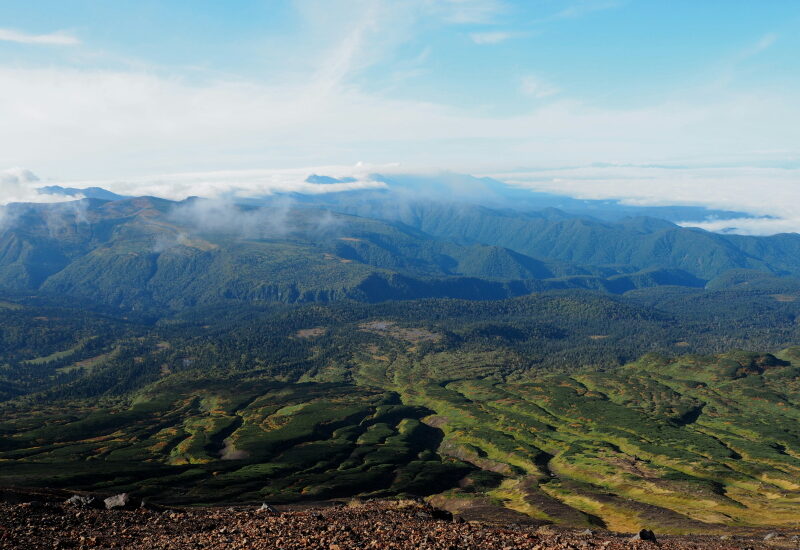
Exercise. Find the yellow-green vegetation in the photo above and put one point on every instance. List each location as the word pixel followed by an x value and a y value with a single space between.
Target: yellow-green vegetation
pixel 710 440
pixel 487 359
pixel 681 444
pixel 294 441
pixel 56 355
pixel 509 405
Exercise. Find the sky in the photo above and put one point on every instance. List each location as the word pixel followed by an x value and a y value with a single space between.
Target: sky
pixel 650 101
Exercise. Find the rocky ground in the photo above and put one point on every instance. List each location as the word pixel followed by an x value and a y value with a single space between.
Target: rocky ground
pixel 51 523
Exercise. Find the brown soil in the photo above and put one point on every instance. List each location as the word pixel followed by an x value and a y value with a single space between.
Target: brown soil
pixel 390 328
pixel 311 332
pixel 44 521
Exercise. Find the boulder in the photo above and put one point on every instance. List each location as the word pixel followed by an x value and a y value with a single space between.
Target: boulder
pixel 645 534
pixel 438 513
pixel 81 501
pixel 122 500
pixel 269 509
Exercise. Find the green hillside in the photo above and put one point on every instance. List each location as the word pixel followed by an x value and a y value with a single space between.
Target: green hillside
pixel 682 444
pixel 498 363
pixel 151 254
pixel 641 243
pixel 481 406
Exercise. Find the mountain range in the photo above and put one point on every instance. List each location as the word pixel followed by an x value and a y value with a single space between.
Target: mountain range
pixel 502 354
pixel 146 252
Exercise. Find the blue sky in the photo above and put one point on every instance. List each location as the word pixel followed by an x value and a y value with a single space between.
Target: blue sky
pixel 122 90
pixel 465 53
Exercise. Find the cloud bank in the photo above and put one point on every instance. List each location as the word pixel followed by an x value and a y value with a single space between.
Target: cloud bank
pixel 99 123
pixel 773 200
pixel 113 124
pixel 19 185
pixel 763 191
pixel 243 183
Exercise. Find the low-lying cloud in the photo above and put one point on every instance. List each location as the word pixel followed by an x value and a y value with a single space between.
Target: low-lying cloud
pixel 749 226
pixel 768 193
pixel 20 185
pixel 243 183
pixel 222 216
pixel 771 192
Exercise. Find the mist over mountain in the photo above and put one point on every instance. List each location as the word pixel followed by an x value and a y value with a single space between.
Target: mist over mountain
pixel 529 263
pixel 374 194
pixel 451 338
pixel 86 192
pixel 413 237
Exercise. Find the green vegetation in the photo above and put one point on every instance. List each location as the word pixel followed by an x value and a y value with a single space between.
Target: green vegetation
pixel 511 403
pixel 154 256
pixel 576 371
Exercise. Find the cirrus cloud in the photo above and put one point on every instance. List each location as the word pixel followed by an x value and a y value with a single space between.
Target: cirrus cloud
pixel 490 37
pixel 59 38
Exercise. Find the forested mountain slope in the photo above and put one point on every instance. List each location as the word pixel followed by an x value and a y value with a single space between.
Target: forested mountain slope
pixel 639 243
pixel 481 406
pixel 504 363
pixel 154 254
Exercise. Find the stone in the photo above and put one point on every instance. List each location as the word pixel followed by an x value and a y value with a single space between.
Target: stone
pixel 645 534
pixel 268 508
pixel 438 513
pixel 121 500
pixel 80 501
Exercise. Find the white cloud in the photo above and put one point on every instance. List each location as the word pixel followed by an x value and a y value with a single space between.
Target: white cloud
pixel 106 125
pixel 82 123
pixel 490 37
pixel 749 226
pixel 60 38
pixel 773 196
pixel 536 87
pixel 763 44
pixel 213 184
pixel 469 11
pixel 19 185
pixel 584 8
pixel 761 191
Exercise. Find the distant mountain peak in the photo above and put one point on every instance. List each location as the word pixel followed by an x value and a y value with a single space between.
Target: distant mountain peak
pixel 327 180
pixel 87 192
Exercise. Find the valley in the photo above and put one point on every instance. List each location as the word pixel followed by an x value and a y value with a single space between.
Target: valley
pixel 487 410
pixel 307 353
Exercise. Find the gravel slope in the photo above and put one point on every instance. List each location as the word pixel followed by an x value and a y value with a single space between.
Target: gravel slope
pixel 398 525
